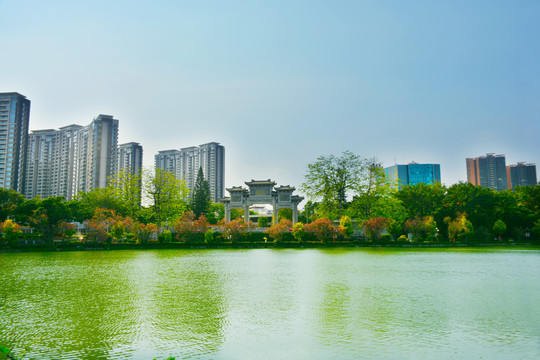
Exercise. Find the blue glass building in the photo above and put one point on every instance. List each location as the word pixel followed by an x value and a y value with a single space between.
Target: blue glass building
pixel 413 174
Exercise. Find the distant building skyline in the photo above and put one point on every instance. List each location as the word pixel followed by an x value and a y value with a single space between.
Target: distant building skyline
pixel 488 171
pixel 521 174
pixel 14 123
pixel 185 163
pixel 72 159
pixel 414 173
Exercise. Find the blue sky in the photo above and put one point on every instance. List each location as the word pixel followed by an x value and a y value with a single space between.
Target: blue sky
pixel 279 83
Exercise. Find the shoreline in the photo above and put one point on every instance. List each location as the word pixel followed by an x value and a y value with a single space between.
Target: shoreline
pixel 269 245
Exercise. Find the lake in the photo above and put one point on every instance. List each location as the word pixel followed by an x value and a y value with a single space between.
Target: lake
pixel 380 303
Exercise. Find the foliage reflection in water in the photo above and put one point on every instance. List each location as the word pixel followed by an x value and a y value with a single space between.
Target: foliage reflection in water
pixel 316 304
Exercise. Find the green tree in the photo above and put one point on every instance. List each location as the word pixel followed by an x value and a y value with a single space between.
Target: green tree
pixel 49 214
pixel 460 228
pixel 126 187
pixel 167 195
pixel 285 213
pixel 298 231
pixel 215 213
pixel 499 228
pixel 369 191
pixel 103 198
pixel 201 200
pixel 331 179
pixel 263 221
pixel 10 200
pixel 346 227
pixel 421 199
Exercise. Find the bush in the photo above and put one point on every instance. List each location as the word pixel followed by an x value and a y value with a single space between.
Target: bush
pixel 386 238
pixel 209 236
pixel 165 237
pixel 403 238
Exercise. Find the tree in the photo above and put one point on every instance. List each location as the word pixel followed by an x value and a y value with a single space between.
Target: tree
pixel 459 228
pixel 330 180
pixel 11 231
pixel 188 226
pixel 499 228
pixel 101 223
pixel 48 216
pixel 277 231
pixel 235 230
pixel 298 231
pixel 167 194
pixel 375 226
pixel 263 221
pixel 126 187
pixel 102 198
pixel 216 213
pixel 421 199
pixel 345 227
pixel 322 229
pixel 10 200
pixel 146 232
pixel 285 213
pixel 421 227
pixel 201 200
pixel 370 190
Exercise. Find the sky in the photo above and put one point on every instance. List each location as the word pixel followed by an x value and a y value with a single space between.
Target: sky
pixel 280 83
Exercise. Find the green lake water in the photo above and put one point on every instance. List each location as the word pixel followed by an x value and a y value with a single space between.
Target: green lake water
pixel 273 304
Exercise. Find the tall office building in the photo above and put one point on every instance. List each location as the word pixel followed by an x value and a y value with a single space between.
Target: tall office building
pixel 185 164
pixel 14 119
pixel 130 157
pixel 488 171
pixel 72 159
pixel 413 174
pixel 521 174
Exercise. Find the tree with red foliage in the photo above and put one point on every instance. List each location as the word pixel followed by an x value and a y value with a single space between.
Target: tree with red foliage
pixel 323 229
pixel 277 231
pixel 375 226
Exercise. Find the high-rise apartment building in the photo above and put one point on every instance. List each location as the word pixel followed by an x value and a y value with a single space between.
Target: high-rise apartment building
pixel 185 164
pixel 488 171
pixel 72 159
pixel 212 161
pixel 14 120
pixel 40 164
pixel 413 174
pixel 521 174
pixel 130 156
pixel 168 160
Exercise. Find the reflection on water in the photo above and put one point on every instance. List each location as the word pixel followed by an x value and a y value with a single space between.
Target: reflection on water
pixel 301 304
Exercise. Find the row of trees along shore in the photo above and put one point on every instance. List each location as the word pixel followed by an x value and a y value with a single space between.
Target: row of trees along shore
pixel 350 202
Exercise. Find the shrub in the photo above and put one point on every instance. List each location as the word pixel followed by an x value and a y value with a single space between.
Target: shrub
pixel 403 238
pixel 322 229
pixel 298 232
pixel 346 227
pixel 209 236
pixel 165 237
pixel 277 231
pixel 386 237
pixel 374 226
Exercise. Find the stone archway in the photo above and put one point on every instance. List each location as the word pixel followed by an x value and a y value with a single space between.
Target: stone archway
pixel 262 192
